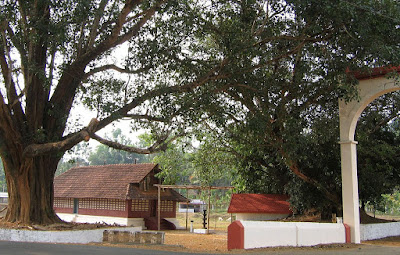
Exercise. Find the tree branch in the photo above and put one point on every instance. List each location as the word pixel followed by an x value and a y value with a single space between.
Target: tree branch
pixel 160 145
pixel 135 29
pixel 6 69
pixel 115 68
pixel 72 76
pixel 35 150
pixel 146 117
pixel 123 111
pixel 95 25
pixel 293 166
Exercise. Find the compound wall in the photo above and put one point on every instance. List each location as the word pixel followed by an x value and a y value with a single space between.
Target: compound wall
pixel 258 234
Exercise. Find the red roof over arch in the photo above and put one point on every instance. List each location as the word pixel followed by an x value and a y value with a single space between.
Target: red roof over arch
pixel 375 72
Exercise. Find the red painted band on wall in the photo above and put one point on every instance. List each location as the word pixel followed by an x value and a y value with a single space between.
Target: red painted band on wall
pixel 347 233
pixel 235 235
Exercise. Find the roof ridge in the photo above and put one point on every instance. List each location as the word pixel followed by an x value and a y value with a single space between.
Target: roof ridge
pixel 121 164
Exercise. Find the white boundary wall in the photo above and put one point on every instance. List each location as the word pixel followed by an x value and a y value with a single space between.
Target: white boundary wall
pixel 80 218
pixel 379 230
pixel 259 234
pixel 73 236
pixel 309 234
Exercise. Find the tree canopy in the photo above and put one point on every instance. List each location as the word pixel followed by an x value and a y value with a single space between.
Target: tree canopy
pixel 173 67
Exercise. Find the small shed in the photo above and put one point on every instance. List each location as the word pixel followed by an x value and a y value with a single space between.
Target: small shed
pixel 259 206
pixel 120 194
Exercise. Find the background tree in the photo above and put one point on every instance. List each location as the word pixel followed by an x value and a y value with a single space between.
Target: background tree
pixel 202 165
pixel 379 150
pixel 391 203
pixel 78 155
pixel 176 163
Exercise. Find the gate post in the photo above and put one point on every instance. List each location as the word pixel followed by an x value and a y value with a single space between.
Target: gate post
pixel 351 210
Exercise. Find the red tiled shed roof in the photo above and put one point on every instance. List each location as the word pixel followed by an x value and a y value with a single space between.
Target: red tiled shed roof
pixel 103 181
pixel 259 203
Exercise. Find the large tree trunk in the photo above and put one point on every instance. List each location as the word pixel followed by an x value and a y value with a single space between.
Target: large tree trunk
pixel 30 190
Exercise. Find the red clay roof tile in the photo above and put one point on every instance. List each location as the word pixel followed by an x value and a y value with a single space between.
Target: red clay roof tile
pixel 103 181
pixel 374 72
pixel 259 203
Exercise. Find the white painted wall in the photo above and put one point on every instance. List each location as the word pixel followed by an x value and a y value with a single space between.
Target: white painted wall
pixel 183 210
pixel 76 236
pixel 379 230
pixel 258 234
pixel 309 234
pixel 260 216
pixel 80 218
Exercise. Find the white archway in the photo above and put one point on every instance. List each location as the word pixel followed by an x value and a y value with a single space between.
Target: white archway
pixel 369 89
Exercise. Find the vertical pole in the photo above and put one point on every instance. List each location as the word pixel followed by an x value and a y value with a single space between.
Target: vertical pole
pixel 229 202
pixel 187 207
pixel 209 208
pixel 351 210
pixel 159 208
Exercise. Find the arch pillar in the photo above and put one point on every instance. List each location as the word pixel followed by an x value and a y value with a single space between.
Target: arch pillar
pixel 349 112
pixel 351 213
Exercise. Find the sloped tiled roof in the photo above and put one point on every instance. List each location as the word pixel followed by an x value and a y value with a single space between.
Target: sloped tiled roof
pixel 259 203
pixel 103 181
pixel 152 194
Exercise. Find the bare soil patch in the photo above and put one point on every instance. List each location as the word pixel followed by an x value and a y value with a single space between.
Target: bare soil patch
pixel 182 240
pixel 388 241
pixel 197 242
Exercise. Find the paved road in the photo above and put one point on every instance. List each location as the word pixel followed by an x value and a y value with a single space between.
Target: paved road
pixel 16 248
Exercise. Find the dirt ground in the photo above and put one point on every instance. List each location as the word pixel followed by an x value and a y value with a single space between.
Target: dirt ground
pixel 217 243
pixel 197 242
pixel 182 240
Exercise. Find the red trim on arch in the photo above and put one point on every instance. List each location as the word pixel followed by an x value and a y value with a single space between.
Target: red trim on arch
pixel 235 235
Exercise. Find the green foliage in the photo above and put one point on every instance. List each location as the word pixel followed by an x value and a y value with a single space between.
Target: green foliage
pixel 278 111
pixel 64 165
pixel 212 166
pixel 378 150
pixel 204 166
pixel 175 163
pixel 391 203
